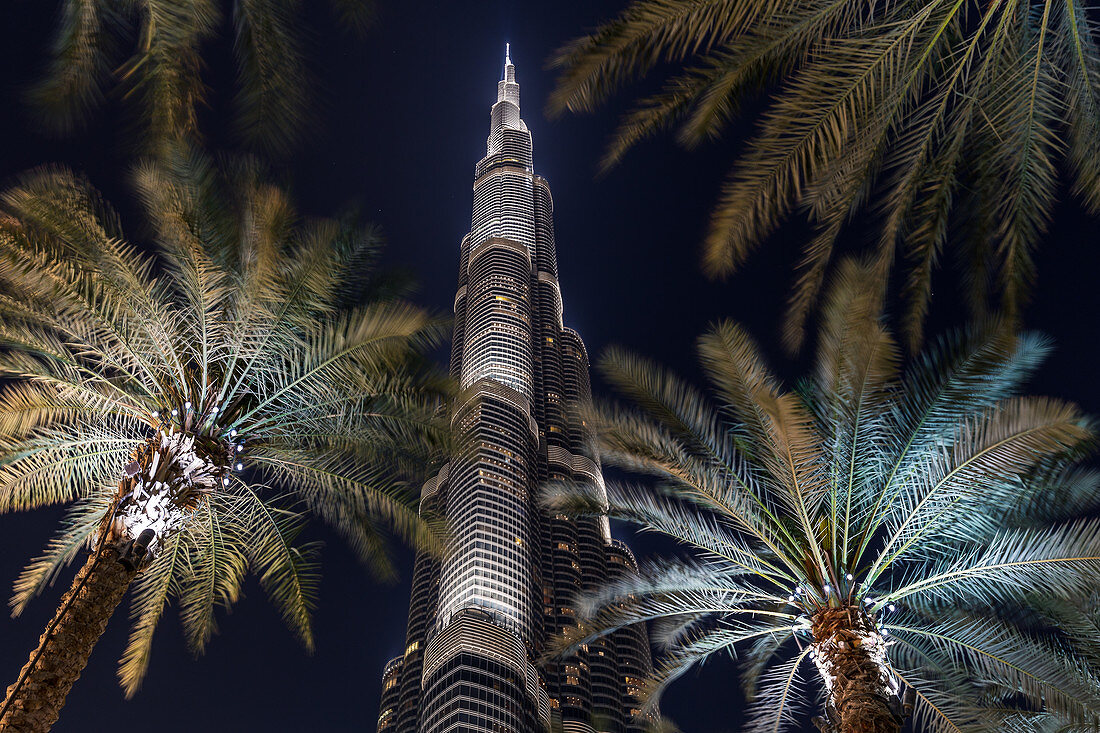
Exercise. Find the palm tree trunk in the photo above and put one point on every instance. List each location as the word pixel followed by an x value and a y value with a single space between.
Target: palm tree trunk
pixel 34 701
pixel 851 657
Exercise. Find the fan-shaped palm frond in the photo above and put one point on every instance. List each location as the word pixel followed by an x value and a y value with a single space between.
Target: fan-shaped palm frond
pixel 196 403
pixel 902 543
pixel 946 120
pixel 163 72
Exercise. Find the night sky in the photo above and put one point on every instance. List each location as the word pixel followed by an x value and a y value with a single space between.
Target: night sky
pixel 402 118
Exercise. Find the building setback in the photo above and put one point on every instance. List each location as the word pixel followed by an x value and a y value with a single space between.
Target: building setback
pixel 479 619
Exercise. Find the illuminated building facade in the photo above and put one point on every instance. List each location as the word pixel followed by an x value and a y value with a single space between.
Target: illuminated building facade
pixel 479 618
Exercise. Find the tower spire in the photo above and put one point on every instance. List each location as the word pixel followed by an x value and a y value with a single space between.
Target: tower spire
pixel 507 88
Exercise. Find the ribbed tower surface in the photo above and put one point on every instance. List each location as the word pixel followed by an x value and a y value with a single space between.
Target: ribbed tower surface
pixel 480 617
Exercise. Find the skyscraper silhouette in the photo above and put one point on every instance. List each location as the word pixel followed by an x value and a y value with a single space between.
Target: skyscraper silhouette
pixel 480 617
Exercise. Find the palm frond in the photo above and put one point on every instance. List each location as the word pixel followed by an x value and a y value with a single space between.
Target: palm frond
pixel 288 573
pixel 782 698
pixel 1063 561
pixel 706 533
pixel 957 376
pixel 998 656
pixel 799 137
pixel 78 529
pixel 272 99
pixel 149 598
pixel 724 637
pixel 62 466
pixel 165 70
pixel 950 118
pixel 643 35
pixel 980 465
pixel 347 492
pixel 1078 41
pixel 151 52
pixel 939 709
pixel 1021 144
pixel 218 567
pixel 1058 494
pixel 73 87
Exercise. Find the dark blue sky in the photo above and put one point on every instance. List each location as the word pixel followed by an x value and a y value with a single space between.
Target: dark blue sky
pixel 404 119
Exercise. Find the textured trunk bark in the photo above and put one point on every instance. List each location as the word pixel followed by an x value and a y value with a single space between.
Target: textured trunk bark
pixel 167 479
pixel 851 657
pixel 64 648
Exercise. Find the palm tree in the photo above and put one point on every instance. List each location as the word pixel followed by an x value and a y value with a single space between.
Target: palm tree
pixel 164 69
pixel 936 122
pixel 889 540
pixel 193 404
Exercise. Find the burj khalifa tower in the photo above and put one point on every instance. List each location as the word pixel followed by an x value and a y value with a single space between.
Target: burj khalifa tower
pixel 481 614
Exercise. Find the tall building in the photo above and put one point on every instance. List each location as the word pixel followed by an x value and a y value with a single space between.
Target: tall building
pixel 480 617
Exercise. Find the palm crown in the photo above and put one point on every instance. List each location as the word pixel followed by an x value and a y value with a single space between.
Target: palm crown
pixel 931 115
pixel 164 69
pixel 873 531
pixel 191 405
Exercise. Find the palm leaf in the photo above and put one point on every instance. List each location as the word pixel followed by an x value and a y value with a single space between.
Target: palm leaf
pixel 149 597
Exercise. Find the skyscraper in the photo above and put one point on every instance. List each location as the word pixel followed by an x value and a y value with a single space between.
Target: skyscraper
pixel 479 618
